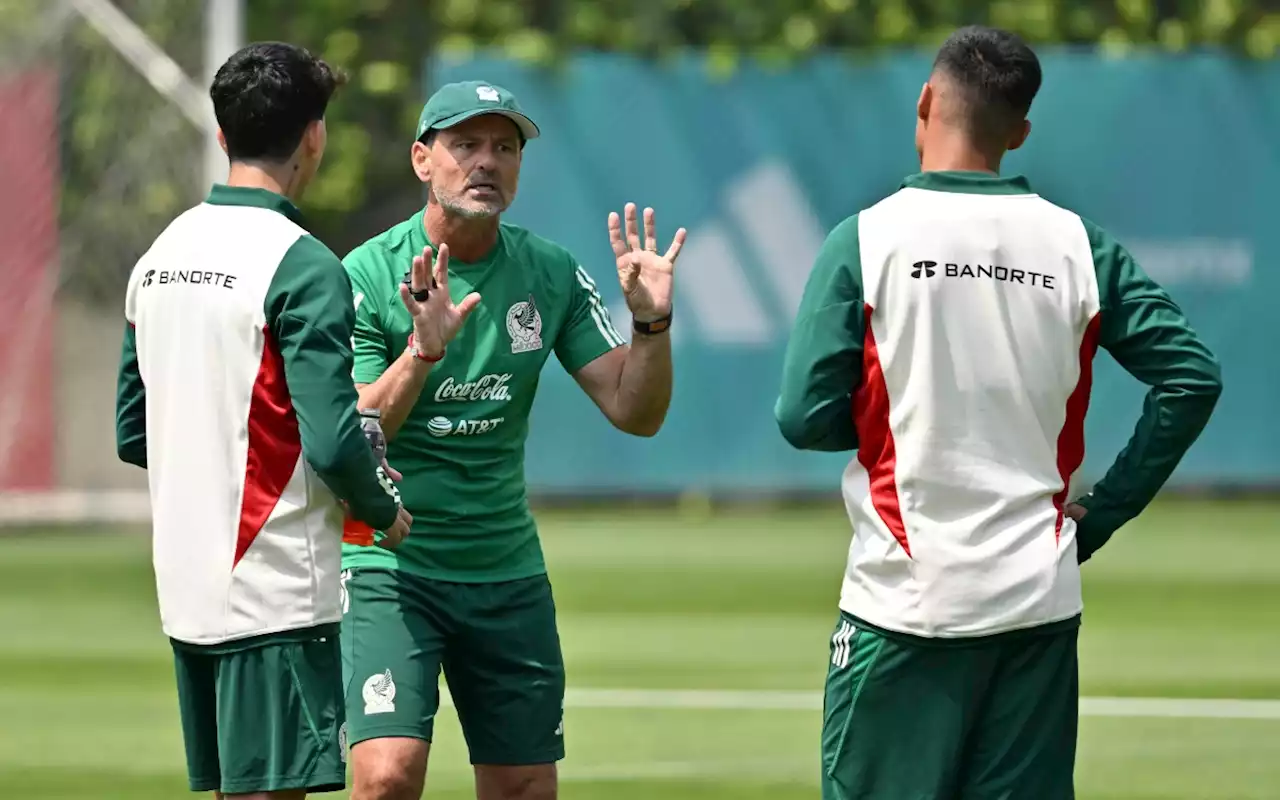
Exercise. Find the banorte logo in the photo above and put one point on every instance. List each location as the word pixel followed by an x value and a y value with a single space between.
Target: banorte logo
pixel 925 267
pixel 487 387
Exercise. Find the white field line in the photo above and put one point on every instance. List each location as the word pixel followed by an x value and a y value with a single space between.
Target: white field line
pixel 706 699
pixel 771 770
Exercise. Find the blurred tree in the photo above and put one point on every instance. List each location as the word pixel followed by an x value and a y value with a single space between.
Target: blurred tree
pixel 20 22
pixel 128 158
pixel 384 43
pixel 366 184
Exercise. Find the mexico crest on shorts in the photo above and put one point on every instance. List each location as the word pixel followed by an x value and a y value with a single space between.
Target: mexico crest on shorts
pixel 379 693
pixel 524 323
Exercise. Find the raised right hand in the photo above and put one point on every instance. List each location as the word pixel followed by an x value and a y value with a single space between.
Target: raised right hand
pixel 393 536
pixel 436 320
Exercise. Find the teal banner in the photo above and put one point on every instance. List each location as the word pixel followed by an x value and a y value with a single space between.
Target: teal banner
pixel 1177 157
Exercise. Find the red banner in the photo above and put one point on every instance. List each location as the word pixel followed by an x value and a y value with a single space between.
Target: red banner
pixel 28 270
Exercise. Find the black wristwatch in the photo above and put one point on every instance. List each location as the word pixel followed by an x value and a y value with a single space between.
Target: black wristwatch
pixel 652 328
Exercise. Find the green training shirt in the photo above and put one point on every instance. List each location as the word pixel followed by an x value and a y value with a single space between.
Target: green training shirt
pixel 461 449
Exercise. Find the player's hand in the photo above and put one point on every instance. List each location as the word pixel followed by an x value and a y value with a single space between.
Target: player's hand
pixel 392 472
pixel 393 536
pixel 646 277
pixel 1075 511
pixel 436 320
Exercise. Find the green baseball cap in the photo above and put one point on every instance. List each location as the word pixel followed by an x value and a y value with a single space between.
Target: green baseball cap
pixel 457 102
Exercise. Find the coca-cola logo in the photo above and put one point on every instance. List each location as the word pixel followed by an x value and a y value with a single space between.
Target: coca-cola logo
pixel 487 387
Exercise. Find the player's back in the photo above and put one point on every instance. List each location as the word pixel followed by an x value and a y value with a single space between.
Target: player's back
pixel 246 537
pixel 981 315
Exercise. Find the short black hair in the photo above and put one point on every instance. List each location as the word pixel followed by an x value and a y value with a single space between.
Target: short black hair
pixel 266 95
pixel 997 75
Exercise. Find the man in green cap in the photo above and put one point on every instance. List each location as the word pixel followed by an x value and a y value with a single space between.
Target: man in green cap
pixel 456 313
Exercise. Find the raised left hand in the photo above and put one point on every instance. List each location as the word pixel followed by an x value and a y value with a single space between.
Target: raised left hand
pixel 646 277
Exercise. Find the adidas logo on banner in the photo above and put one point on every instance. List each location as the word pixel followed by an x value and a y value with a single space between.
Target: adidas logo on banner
pixel 747 270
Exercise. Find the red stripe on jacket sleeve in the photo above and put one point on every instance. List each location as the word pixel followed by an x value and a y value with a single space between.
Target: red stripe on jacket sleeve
pixel 1071 437
pixel 875 439
pixel 274 446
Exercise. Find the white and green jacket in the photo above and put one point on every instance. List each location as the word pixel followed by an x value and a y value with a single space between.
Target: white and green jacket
pixel 948 334
pixel 235 394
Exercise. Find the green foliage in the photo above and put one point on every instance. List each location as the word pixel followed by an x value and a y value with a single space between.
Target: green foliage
pixel 20 21
pixel 798 27
pixel 382 46
pixel 384 43
pixel 129 159
pixel 118 192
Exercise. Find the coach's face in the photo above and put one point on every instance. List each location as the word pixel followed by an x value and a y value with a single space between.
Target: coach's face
pixel 473 167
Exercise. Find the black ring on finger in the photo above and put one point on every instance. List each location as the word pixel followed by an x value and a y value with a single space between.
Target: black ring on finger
pixel 420 295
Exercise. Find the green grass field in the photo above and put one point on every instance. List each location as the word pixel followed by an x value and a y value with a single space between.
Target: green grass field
pixel 1185 603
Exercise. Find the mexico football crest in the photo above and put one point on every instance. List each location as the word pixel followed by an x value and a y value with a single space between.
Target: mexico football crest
pixel 524 323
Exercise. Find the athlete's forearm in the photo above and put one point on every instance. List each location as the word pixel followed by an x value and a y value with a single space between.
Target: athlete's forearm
pixel 131 406
pixel 644 385
pixel 1151 338
pixel 822 364
pixel 396 391
pixel 1173 417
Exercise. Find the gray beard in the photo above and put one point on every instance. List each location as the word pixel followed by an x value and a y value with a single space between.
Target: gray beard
pixel 457 205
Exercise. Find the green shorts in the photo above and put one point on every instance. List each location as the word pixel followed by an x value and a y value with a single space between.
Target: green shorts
pixel 990 719
pixel 497 644
pixel 264 714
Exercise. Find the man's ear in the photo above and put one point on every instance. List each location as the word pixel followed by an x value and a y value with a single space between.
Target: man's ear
pixel 1019 137
pixel 925 103
pixel 420 157
pixel 314 138
pixel 222 140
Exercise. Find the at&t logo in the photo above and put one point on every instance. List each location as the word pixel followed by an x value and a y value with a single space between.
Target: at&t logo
pixel 440 427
